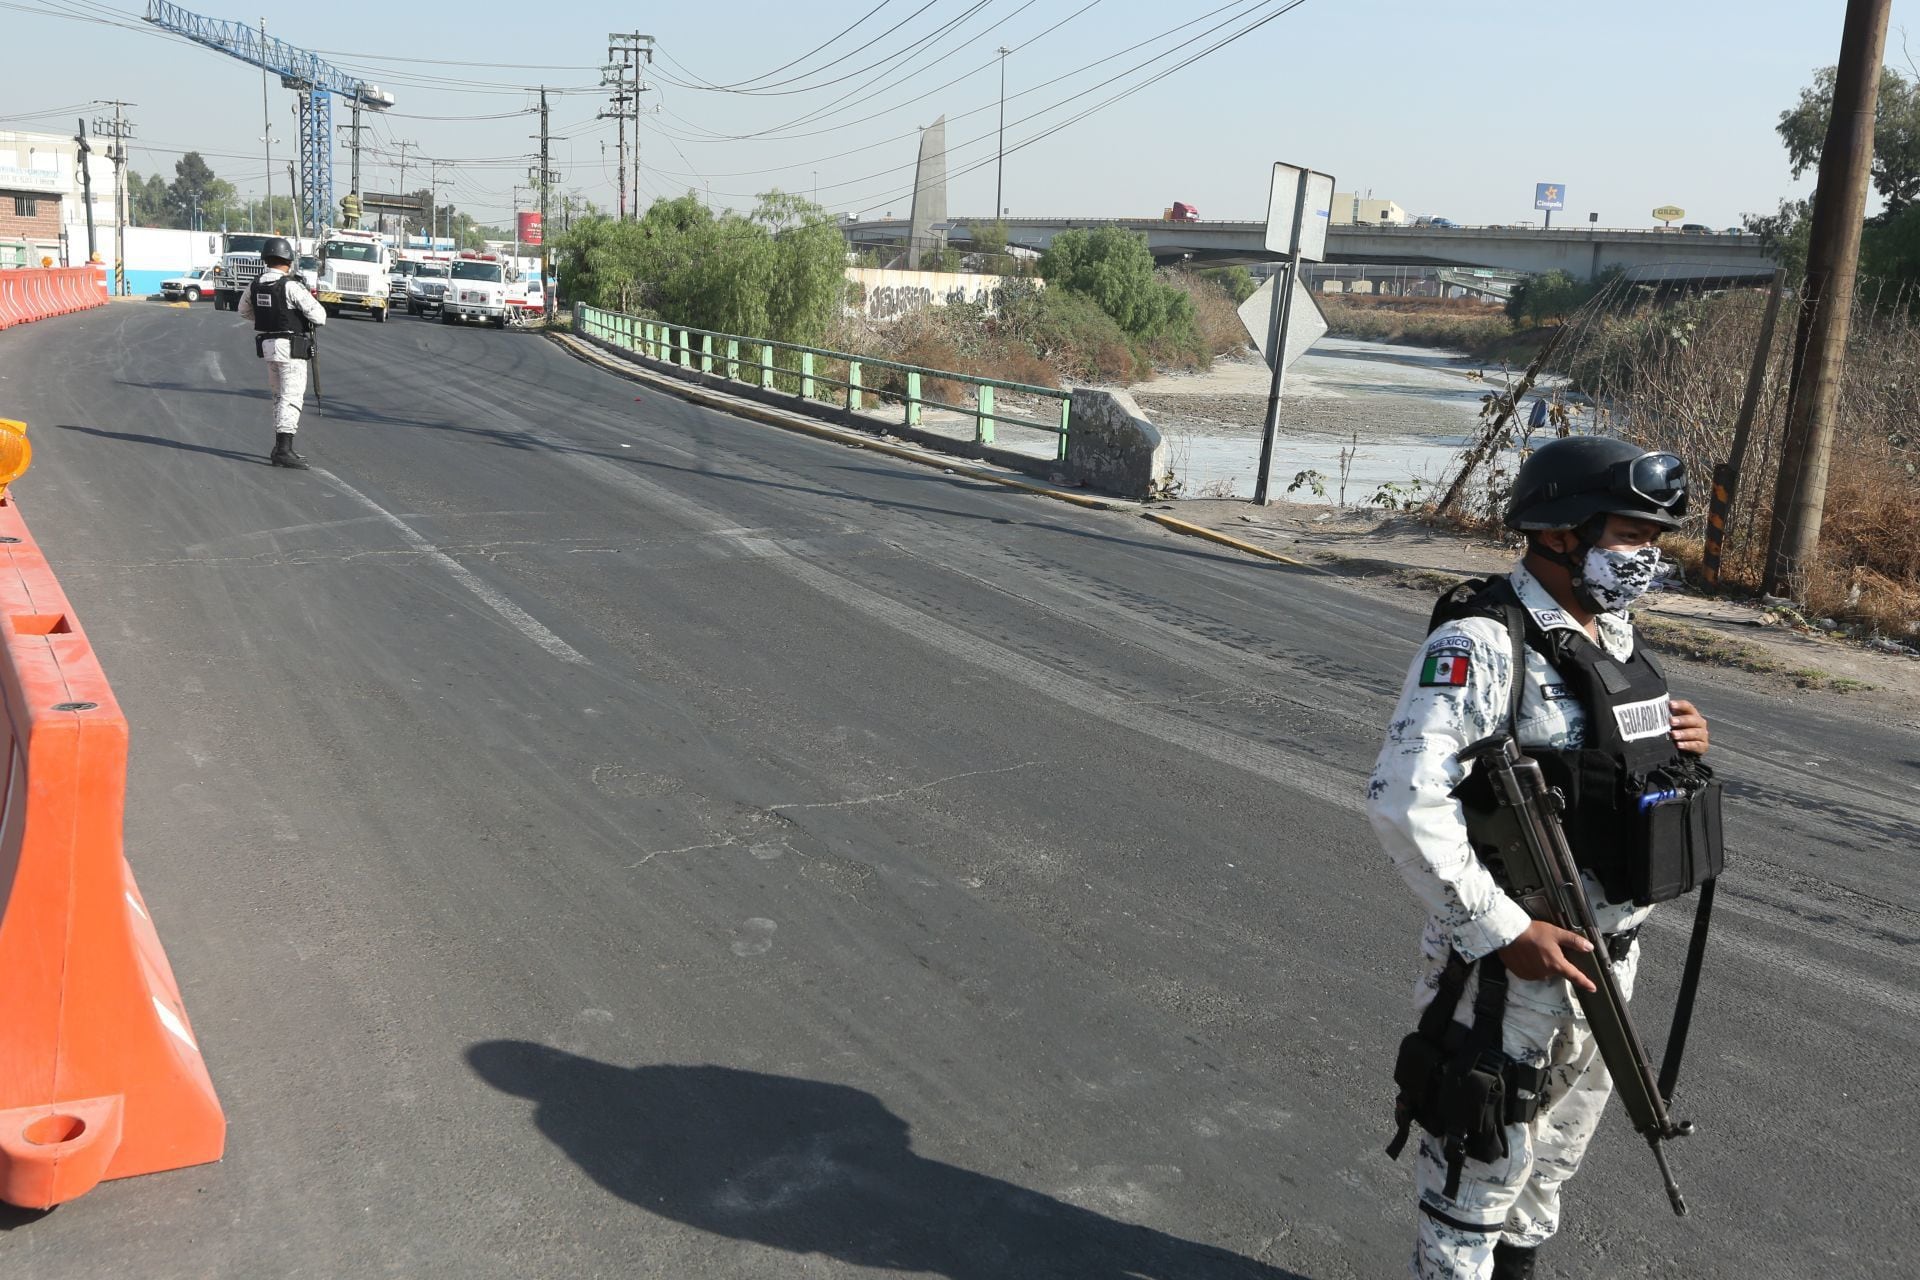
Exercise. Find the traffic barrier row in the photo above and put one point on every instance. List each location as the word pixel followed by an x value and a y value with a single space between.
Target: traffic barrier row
pixel 100 1074
pixel 34 293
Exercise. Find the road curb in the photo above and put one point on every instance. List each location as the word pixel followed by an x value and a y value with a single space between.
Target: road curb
pixel 1225 540
pixel 805 426
pixel 785 421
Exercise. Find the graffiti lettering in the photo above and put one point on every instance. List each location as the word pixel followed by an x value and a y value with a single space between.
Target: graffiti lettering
pixel 896 300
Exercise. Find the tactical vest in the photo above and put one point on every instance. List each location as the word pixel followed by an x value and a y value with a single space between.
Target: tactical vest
pixel 1641 815
pixel 272 313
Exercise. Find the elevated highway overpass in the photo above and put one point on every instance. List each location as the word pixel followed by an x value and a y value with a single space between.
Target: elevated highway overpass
pixel 1582 252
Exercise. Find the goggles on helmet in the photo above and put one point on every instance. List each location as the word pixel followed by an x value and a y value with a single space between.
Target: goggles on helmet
pixel 1657 479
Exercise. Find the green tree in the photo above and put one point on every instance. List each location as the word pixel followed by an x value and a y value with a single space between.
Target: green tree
pixel 147 203
pixel 778 272
pixel 1115 269
pixel 1236 281
pixel 195 187
pixel 1896 134
pixel 941 258
pixel 1785 233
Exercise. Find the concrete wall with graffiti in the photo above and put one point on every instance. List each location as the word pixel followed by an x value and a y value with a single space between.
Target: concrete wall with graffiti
pixel 881 294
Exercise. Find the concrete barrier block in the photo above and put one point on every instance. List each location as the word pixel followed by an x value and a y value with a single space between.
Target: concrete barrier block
pixel 1112 447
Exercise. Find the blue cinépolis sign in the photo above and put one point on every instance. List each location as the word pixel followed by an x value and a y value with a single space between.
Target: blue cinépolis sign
pixel 1549 195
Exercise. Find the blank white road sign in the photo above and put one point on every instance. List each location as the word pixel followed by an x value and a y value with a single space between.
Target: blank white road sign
pixel 1305 326
pixel 1280 211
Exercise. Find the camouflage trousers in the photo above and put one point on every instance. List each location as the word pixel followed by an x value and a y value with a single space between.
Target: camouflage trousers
pixel 1515 1199
pixel 286 387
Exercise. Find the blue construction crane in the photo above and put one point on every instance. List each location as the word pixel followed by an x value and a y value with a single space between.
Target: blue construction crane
pixel 306 73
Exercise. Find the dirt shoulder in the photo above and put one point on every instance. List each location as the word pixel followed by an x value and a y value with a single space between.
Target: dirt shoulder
pixel 1746 642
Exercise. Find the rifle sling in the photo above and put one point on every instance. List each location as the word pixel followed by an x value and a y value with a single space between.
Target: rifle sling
pixel 1689 988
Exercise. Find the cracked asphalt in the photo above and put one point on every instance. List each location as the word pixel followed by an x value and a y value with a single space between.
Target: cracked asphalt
pixel 599 837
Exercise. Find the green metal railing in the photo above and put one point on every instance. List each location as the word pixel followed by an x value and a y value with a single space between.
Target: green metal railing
pixel 720 353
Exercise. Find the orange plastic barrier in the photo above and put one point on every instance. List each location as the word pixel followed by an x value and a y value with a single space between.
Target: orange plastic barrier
pixel 34 293
pixel 100 1075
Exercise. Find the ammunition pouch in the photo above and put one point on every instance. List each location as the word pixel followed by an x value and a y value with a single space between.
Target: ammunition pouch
pixel 1455 1082
pixel 299 345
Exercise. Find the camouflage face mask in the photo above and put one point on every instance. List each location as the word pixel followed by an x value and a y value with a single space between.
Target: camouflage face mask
pixel 1610 581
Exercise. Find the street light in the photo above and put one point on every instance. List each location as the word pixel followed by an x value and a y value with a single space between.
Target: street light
pixel 1000 160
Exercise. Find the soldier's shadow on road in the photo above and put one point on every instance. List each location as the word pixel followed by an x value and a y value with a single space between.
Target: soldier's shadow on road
pixel 821 1168
pixel 135 437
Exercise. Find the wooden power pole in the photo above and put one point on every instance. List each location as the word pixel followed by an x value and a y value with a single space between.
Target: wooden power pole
pixel 1826 306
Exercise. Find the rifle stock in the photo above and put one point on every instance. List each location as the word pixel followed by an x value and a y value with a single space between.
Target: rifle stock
pixel 1530 856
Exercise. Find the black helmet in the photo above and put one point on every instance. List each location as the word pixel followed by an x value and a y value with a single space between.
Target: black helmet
pixel 278 249
pixel 1567 482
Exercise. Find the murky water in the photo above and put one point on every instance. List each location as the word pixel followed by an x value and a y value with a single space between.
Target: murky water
pixel 1380 420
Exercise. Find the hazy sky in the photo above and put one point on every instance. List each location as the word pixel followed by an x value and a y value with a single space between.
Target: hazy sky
pixel 1453 109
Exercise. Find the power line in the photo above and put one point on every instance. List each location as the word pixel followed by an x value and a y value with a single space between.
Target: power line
pixel 1244 8
pixel 802 58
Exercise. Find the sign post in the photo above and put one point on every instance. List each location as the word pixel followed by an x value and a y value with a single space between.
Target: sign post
pixel 1549 196
pixel 1299 207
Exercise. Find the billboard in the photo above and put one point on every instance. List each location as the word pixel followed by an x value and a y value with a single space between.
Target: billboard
pixel 1549 195
pixel 529 227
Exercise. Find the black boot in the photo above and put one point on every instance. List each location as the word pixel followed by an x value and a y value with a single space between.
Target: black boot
pixel 283 454
pixel 1510 1262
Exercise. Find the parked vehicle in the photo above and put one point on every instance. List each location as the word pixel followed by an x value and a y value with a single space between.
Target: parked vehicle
pixel 239 264
pixel 353 272
pixel 192 286
pixel 426 287
pixel 476 290
pixel 308 269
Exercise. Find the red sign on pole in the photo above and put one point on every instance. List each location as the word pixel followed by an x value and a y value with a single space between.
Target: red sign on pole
pixel 529 228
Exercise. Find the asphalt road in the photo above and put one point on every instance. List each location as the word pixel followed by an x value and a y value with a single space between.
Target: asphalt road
pixel 596 836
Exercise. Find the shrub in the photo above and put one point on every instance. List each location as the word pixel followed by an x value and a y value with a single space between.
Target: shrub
pixel 1114 268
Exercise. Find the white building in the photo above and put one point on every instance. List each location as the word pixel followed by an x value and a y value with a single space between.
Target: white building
pixel 1349 208
pixel 42 169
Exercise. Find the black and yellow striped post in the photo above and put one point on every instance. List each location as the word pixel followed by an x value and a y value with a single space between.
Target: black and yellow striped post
pixel 1723 481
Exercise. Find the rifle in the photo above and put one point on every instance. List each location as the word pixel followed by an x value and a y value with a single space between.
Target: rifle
pixel 1537 869
pixel 313 346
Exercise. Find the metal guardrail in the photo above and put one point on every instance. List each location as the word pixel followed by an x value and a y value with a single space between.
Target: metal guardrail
pixel 695 349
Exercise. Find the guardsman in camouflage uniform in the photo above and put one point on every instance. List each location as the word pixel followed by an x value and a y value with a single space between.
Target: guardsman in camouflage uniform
pixel 1592 509
pixel 284 315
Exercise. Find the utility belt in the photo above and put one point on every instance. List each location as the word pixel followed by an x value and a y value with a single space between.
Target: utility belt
pixel 1456 1082
pixel 299 344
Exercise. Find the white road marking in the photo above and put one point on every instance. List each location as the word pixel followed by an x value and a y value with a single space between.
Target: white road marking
pixel 519 619
pixel 212 362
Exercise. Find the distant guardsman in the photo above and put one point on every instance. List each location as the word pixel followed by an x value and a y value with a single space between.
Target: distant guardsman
pixel 284 317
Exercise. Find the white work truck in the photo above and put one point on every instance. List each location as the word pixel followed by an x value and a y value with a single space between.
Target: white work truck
pixel 353 272
pixel 476 290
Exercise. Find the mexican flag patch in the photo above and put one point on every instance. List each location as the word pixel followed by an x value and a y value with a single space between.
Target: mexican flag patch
pixel 1446 669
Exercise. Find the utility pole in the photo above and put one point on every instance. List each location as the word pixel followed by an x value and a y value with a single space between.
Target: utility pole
pixel 631 49
pixel 86 185
pixel 614 76
pixel 403 187
pixel 356 129
pixel 433 204
pixel 266 118
pixel 299 203
pixel 119 128
pixel 546 180
pixel 1000 160
pixel 1826 308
